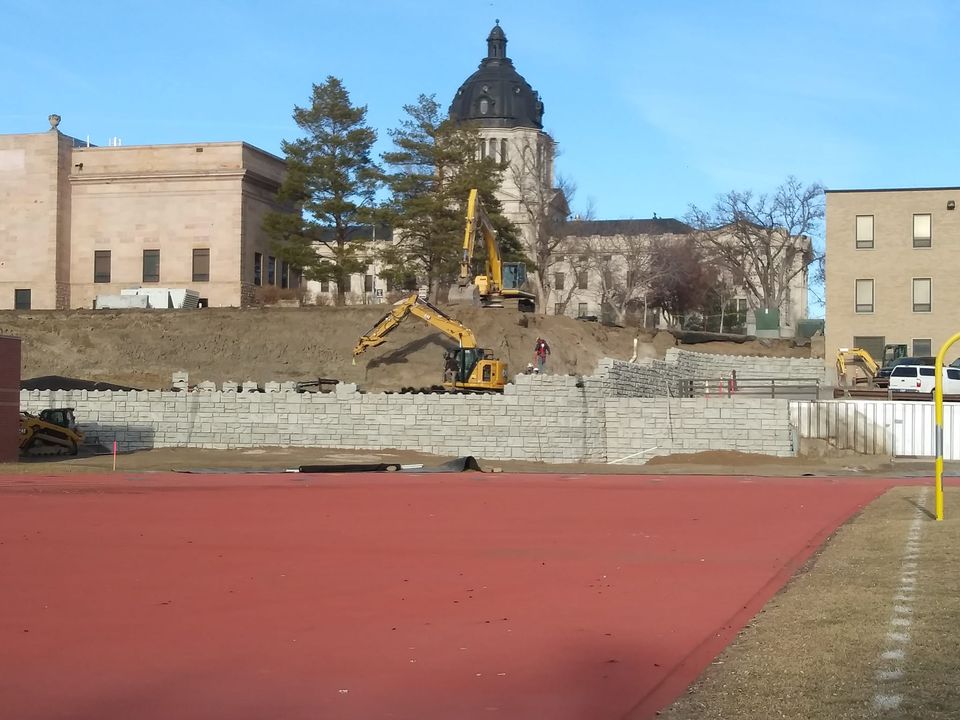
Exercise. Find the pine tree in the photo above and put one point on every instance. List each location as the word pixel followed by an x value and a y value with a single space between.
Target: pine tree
pixel 331 183
pixel 434 164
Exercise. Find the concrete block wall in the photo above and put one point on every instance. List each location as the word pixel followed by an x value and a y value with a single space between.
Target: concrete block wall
pixel 547 418
pixel 708 365
pixel 662 426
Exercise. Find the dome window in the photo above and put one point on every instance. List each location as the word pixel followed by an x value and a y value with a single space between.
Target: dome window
pixel 484 106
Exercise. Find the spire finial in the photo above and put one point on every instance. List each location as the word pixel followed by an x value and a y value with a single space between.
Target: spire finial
pixel 497 42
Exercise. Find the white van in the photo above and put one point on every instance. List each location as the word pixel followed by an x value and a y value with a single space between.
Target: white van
pixel 919 378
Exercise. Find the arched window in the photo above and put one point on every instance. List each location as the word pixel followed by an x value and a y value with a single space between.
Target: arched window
pixel 484 106
pixel 503 151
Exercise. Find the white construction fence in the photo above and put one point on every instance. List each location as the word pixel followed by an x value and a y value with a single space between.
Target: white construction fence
pixel 878 427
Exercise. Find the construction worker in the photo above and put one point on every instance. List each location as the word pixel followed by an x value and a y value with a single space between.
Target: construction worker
pixel 449 366
pixel 540 350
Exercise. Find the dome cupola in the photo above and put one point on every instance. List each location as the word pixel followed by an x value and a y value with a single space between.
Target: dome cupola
pixel 496 95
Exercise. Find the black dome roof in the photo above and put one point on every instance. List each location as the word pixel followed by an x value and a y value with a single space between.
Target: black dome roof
pixel 496 95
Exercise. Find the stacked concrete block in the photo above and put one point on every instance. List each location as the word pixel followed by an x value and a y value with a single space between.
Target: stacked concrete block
pixel 708 365
pixel 551 418
pixel 249 387
pixel 181 381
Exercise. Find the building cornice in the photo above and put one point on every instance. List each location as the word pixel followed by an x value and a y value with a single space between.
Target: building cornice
pixel 81 178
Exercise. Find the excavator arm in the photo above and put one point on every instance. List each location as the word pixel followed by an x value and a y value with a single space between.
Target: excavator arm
pixel 430 314
pixel 858 357
pixel 478 223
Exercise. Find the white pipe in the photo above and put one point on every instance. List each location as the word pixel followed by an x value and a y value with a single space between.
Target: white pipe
pixel 611 462
pixel 633 358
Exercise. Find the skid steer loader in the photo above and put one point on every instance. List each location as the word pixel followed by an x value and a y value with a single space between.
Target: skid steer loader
pixel 52 432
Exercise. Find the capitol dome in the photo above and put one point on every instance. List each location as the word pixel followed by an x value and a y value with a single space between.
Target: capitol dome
pixel 496 95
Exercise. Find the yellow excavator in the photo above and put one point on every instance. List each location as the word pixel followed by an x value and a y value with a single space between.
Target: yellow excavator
pixel 469 368
pixel 874 373
pixel 52 432
pixel 501 282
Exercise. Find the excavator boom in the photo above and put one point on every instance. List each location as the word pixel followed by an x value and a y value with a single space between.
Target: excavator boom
pixel 475 370
pixel 499 280
pixel 418 307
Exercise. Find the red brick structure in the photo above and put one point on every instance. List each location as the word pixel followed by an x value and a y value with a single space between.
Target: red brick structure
pixel 9 398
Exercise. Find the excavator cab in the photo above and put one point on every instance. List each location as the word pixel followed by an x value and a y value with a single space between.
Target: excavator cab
pixel 478 370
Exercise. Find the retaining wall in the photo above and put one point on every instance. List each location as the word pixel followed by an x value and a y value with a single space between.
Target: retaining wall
pixel 546 418
pixel 659 378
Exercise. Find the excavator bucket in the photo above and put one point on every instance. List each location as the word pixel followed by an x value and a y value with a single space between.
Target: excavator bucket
pixel 468 294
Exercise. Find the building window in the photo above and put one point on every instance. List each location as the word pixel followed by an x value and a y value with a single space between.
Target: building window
pixel 922 348
pixel 151 266
pixel 201 265
pixel 271 270
pixel 742 311
pixel 921 230
pixel 864 232
pixel 922 291
pixel 284 274
pixel 873 344
pixel 503 151
pixel 368 283
pixel 493 149
pixel 484 106
pixel 483 149
pixel 581 309
pixel 101 266
pixel 558 279
pixel 558 308
pixel 582 280
pixel 864 296
pixel 607 278
pixel 324 286
pixel 258 268
pixel 21 299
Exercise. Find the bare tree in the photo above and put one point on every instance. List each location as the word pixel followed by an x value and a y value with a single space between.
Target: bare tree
pixel 543 207
pixel 680 279
pixel 763 241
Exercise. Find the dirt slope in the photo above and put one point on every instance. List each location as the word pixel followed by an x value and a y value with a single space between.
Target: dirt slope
pixel 143 348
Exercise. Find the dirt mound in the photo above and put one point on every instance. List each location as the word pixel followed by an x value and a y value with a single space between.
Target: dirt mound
pixel 142 348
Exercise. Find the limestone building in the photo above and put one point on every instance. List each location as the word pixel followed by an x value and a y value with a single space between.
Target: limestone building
pixel 81 221
pixel 890 270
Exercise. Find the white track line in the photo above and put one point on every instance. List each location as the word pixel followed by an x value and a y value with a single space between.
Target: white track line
pixel 888 699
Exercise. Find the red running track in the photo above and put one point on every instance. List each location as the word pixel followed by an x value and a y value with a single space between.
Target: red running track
pixel 387 596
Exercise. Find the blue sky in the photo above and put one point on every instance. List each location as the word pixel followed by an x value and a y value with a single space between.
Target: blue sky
pixel 655 105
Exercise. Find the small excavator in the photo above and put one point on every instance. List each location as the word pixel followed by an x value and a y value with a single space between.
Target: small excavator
pixel 472 369
pixel 874 373
pixel 501 282
pixel 52 432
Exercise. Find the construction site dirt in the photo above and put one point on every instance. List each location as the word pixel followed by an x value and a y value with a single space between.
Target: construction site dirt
pixel 143 348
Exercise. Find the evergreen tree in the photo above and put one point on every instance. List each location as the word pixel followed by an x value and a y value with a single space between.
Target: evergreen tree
pixel 434 164
pixel 331 182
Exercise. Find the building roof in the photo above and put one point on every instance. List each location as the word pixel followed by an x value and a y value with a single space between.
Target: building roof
pixel 496 95
pixel 640 226
pixel 875 190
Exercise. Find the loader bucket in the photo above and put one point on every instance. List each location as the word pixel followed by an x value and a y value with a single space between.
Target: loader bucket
pixel 464 295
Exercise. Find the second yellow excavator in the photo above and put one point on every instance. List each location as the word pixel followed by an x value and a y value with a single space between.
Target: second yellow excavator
pixel 469 368
pixel 501 282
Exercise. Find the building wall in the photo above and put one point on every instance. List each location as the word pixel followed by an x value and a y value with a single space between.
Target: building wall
pixel 892 264
pixel 29 215
pixel 62 203
pixel 9 398
pixel 174 198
